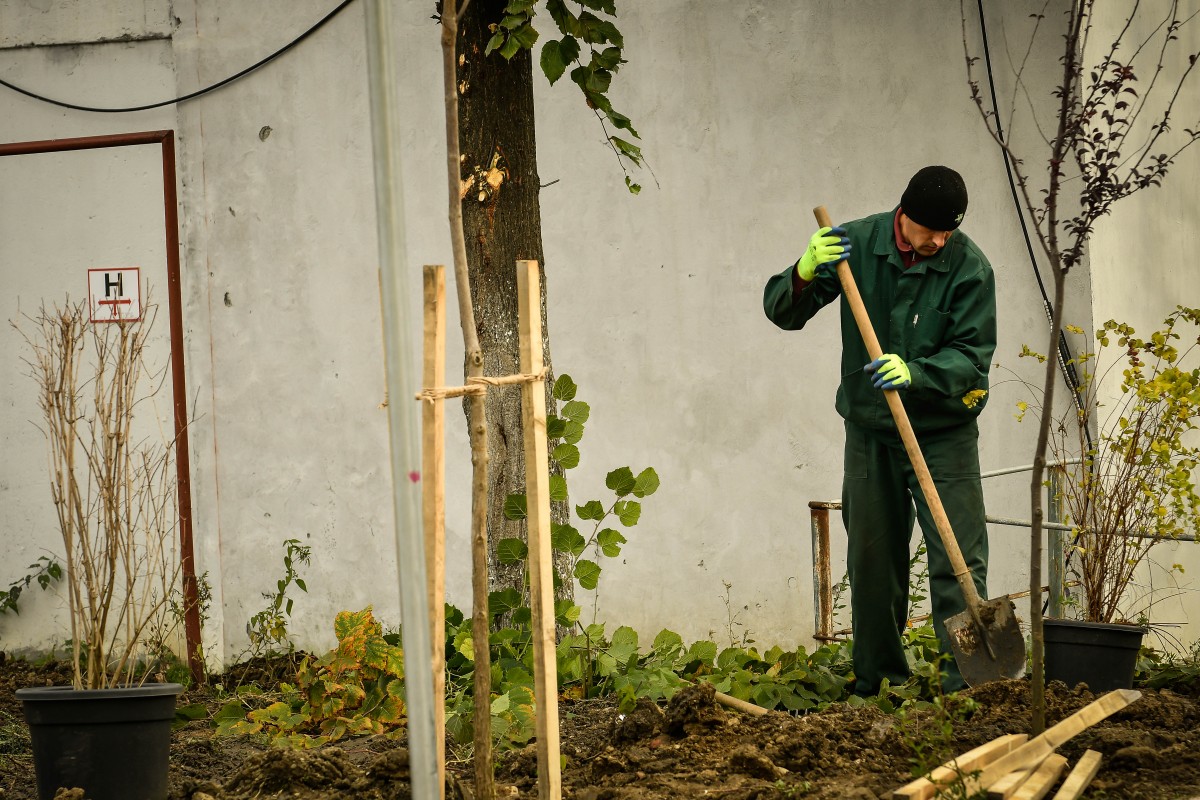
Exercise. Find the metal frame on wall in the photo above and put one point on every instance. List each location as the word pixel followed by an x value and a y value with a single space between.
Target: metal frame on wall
pixel 166 140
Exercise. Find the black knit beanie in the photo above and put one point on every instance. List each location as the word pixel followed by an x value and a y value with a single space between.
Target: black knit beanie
pixel 936 197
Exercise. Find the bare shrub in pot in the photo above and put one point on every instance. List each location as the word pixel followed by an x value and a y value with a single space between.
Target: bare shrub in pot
pixel 113 485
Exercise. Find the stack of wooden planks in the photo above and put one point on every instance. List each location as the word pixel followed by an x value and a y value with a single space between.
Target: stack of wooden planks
pixel 1015 767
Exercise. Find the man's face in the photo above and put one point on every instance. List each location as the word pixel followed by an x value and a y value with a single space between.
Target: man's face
pixel 925 241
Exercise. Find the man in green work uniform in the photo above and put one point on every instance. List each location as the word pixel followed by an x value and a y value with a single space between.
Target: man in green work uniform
pixel 931 297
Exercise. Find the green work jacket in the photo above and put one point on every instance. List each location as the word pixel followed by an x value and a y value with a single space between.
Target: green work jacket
pixel 939 315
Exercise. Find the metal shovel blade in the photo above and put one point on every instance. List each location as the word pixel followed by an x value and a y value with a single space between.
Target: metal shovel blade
pixel 993 652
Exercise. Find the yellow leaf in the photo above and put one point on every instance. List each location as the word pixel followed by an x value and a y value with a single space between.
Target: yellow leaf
pixel 972 398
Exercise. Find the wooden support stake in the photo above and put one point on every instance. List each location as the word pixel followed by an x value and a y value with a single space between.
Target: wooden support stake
pixel 1036 749
pixel 433 500
pixel 1080 777
pixel 952 770
pixel 1039 783
pixel 541 562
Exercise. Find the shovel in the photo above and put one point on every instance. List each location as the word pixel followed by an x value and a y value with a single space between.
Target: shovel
pixel 985 639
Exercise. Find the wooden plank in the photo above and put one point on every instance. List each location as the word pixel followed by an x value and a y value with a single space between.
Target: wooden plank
pixel 1036 749
pixel 541 562
pixel 1080 777
pixel 433 499
pixel 1008 785
pixel 1039 783
pixel 928 786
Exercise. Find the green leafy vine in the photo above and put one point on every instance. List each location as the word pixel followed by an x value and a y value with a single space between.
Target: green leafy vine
pixel 591 42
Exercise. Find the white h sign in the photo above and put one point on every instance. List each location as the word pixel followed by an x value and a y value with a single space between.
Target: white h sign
pixel 115 295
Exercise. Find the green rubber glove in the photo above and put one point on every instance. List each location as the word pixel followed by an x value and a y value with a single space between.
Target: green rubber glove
pixel 826 248
pixel 890 372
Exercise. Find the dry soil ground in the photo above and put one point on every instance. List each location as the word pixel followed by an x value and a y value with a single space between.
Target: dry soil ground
pixel 690 748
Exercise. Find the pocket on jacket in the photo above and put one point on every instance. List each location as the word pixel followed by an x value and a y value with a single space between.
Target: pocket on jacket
pixel 925 332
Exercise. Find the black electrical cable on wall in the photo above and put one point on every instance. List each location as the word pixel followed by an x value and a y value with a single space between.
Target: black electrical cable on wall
pixel 191 95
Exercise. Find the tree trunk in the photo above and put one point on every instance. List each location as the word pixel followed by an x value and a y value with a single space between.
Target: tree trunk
pixel 502 220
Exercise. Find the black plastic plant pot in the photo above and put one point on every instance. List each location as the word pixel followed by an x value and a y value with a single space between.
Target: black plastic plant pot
pixel 1103 655
pixel 112 743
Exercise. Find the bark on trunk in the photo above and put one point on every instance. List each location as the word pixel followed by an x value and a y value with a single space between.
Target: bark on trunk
pixel 502 220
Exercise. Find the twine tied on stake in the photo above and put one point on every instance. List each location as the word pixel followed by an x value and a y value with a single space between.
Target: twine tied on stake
pixel 478 386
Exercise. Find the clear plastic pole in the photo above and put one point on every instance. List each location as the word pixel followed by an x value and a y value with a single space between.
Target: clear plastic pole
pixel 402 416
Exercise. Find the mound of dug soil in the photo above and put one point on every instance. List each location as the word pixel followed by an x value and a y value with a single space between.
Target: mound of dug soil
pixel 690 748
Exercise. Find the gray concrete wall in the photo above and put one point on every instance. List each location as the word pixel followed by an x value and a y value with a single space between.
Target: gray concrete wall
pixel 750 116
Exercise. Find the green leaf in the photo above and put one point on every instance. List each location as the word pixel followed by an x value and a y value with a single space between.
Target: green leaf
pixel 565 538
pixel 566 21
pixel 513 21
pixel 511 550
pixel 579 76
pixel 598 80
pixel 627 149
pixel 668 643
pixel 599 31
pixel 567 455
pixel 527 35
pixel 624 644
pixel 497 39
pixel 522 616
pixel 587 573
pixel 503 601
pixel 610 33
pixel 564 388
pixel 558 488
pixel 634 188
pixel 621 481
pixel 610 542
pixel 592 509
pixel 646 484
pixel 577 411
pixel 569 49
pixel 610 58
pixel 553 63
pixel 515 507
pixel 628 511
pixel 501 704
pixel 702 651
pixel 510 47
pixel 572 432
pixel 566 613
pixel 519 6
pixel 555 427
pixel 620 120
pixel 231 711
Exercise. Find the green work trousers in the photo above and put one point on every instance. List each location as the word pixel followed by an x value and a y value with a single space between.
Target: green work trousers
pixel 880 500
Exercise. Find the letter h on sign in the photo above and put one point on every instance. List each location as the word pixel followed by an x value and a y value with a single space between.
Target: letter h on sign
pixel 115 295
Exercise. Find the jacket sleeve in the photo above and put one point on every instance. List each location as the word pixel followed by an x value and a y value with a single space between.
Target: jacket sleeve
pixel 963 362
pixel 790 303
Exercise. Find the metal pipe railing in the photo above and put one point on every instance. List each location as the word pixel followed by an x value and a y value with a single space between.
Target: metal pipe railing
pixel 818 511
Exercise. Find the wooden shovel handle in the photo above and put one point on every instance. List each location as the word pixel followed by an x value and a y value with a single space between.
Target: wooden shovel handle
pixel 909 437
